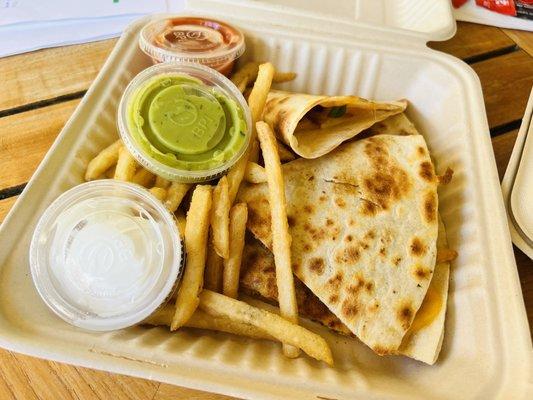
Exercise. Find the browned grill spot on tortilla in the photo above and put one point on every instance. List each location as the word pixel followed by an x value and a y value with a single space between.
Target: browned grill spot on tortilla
pixel 336 281
pixel 382 252
pixel 339 201
pixel 426 171
pixel 368 208
pixel 447 177
pixel 348 238
pixel 369 287
pixel 397 260
pixel 333 298
pixel 329 222
pixel 307 247
pixel 295 266
pixel 430 207
pixel 420 272
pixel 316 265
pixel 323 198
pixel 349 255
pixel 309 209
pixel 421 151
pixel 370 234
pixel 405 314
pixel 386 188
pixel 351 222
pixel 349 307
pixel 417 247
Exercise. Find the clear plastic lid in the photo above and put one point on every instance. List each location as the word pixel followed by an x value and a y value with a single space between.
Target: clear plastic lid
pixel 105 255
pixel 183 121
pixel 192 39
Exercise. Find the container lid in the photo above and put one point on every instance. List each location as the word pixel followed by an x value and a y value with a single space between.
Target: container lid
pixel 184 121
pixel 428 20
pixel 191 39
pixel 105 255
pixel 517 185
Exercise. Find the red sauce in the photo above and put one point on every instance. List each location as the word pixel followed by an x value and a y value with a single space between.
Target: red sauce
pixel 209 42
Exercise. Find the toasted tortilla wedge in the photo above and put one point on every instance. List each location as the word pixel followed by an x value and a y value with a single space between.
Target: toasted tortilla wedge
pixel 363 219
pixel 423 340
pixel 258 279
pixel 291 117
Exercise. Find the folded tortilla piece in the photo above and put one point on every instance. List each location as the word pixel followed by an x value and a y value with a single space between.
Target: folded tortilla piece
pixel 314 125
pixel 363 220
pixel 398 124
pixel 423 340
pixel 258 279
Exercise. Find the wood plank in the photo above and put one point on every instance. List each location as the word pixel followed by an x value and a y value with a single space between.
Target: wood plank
pixel 169 392
pixel 503 147
pixel 24 377
pixel 506 82
pixel 26 137
pixel 473 40
pixel 5 206
pixel 523 39
pixel 47 74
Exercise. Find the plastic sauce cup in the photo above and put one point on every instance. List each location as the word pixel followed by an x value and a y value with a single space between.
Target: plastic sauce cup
pixel 184 121
pixel 105 255
pixel 213 43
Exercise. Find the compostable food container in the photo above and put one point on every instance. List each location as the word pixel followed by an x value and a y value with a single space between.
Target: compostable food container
pixel 517 185
pixel 374 49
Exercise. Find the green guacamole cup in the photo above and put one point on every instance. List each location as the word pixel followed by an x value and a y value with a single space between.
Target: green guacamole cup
pixel 184 121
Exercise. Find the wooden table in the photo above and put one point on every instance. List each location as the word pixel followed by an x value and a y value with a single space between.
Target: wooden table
pixel 40 90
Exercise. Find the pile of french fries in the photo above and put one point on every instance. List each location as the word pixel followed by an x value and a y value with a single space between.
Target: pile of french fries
pixel 214 233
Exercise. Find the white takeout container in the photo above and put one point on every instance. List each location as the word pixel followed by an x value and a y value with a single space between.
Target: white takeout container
pixel 375 49
pixel 517 185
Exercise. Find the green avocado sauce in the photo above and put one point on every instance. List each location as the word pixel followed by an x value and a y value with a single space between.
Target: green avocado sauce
pixel 185 124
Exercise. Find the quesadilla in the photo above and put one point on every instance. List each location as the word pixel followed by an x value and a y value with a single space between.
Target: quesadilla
pixel 363 220
pixel 258 279
pixel 314 125
pixel 422 341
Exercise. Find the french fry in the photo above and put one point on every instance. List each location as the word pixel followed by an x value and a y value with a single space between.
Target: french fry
pixel 143 177
pixel 220 218
pixel 213 270
pixel 110 173
pixel 256 102
pixel 281 238
pixel 254 173
pixel 175 194
pixel 274 325
pixel 243 84
pixel 285 155
pixel 181 222
pixel 196 230
pixel 161 182
pixel 248 72
pixel 126 166
pixel 202 320
pixel 281 77
pixel 103 161
pixel 259 93
pixel 232 265
pixel 158 192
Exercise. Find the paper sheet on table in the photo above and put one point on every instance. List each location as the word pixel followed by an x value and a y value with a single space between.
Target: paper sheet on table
pixel 27 11
pixel 24 36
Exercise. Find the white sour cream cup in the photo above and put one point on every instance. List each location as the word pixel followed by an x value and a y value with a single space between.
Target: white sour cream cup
pixel 105 255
